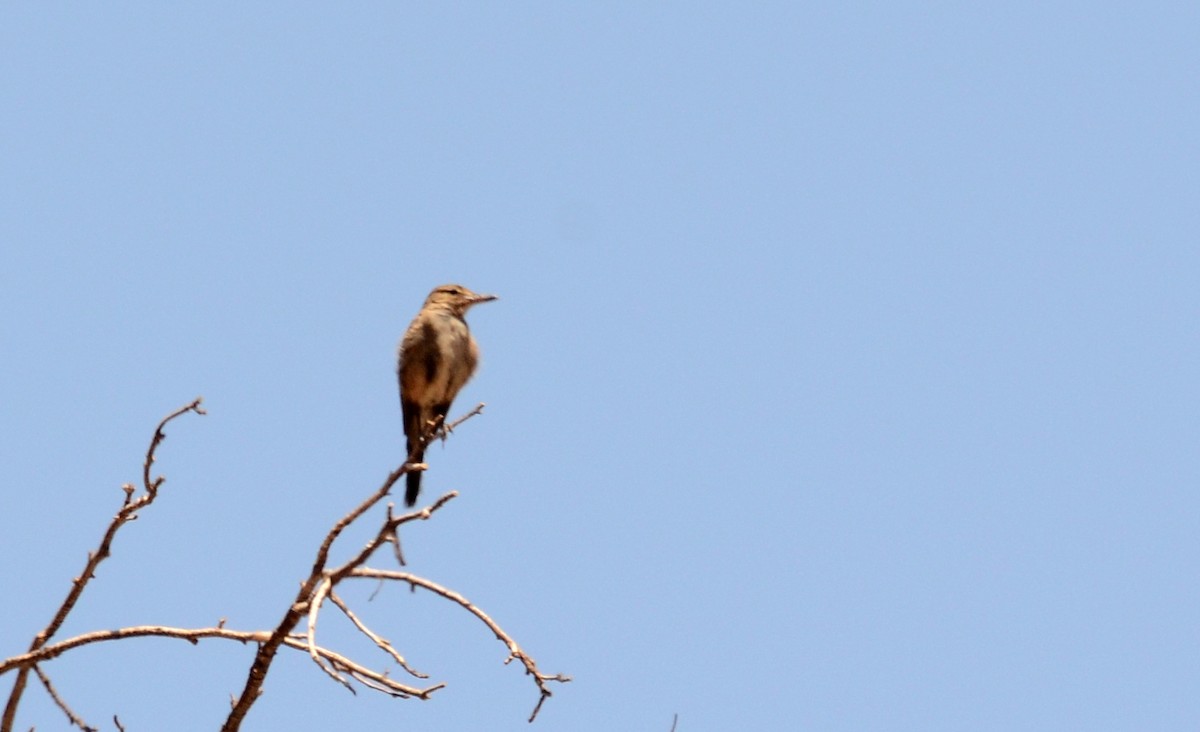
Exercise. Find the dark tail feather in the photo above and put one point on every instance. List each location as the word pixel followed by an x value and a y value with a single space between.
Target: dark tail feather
pixel 413 487
pixel 412 481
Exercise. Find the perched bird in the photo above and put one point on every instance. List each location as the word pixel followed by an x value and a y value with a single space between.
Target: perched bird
pixel 437 356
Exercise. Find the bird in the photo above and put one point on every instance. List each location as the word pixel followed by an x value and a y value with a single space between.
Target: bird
pixel 437 356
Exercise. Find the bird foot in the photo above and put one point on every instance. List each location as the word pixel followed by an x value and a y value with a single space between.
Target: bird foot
pixel 437 429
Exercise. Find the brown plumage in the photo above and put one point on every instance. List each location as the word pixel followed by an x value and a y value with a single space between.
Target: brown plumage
pixel 437 357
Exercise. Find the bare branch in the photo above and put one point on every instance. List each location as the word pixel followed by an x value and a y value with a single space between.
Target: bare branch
pixel 383 536
pixel 474 412
pixel 376 680
pixel 314 609
pixel 195 635
pixel 395 537
pixel 363 674
pixel 301 605
pixel 191 635
pixel 514 650
pixel 58 700
pixel 313 592
pixel 127 513
pixel 153 486
pixel 383 643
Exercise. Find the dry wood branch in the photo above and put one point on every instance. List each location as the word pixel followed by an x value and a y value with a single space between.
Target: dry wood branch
pixel 74 718
pixel 127 513
pixel 439 429
pixel 386 534
pixel 191 635
pixel 371 678
pixel 394 538
pixel 295 641
pixel 314 609
pixel 318 587
pixel 301 605
pixel 514 650
pixel 376 680
pixel 378 640
pixel 153 486
pixel 387 531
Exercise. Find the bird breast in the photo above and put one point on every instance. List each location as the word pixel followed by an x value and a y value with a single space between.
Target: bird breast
pixel 438 357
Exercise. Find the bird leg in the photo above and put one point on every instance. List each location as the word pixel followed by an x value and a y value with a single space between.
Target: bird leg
pixel 437 428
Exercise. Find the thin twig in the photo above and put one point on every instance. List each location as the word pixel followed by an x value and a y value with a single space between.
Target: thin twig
pixel 314 609
pixel 395 537
pixel 191 635
pixel 300 605
pixel 313 592
pixel 71 715
pixel 294 641
pixel 360 672
pixel 127 513
pixel 514 650
pixel 383 535
pixel 378 640
pixel 376 680
pixel 152 486
pixel 325 586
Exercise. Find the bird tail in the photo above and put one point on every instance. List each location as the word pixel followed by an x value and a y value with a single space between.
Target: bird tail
pixel 413 482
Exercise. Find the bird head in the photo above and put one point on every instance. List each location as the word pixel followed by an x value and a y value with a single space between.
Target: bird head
pixel 456 298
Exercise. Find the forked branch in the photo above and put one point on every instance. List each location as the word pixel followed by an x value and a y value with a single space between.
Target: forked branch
pixel 310 595
pixel 514 651
pixel 318 588
pixel 127 513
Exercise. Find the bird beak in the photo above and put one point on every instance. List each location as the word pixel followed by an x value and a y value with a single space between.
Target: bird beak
pixel 476 299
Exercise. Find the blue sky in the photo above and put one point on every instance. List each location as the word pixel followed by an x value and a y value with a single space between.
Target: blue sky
pixel 843 375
